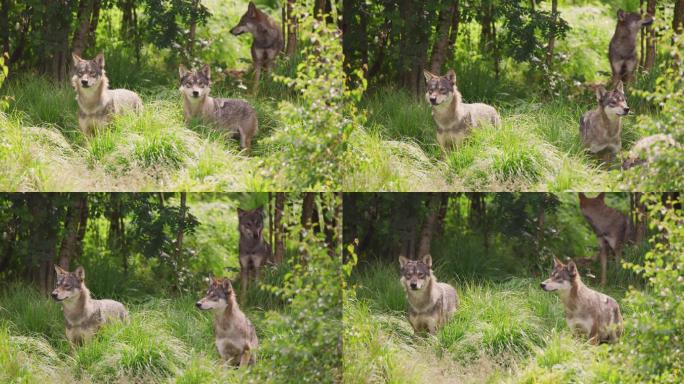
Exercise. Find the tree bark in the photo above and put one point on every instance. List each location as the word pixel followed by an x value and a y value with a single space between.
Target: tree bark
pixel 18 51
pixel 291 46
pixel 308 209
pixel 678 17
pixel 279 233
pixel 426 232
pixel 552 36
pixel 74 229
pixel 4 26
pixel 42 238
pixel 440 49
pixel 649 63
pixel 78 44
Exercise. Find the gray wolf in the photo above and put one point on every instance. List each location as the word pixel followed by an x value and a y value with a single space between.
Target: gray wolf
pixel 648 149
pixel 96 102
pixel 254 250
pixel 455 118
pixel 587 312
pixel 613 228
pixel 622 48
pixel 236 117
pixel 268 39
pixel 83 315
pixel 236 338
pixel 431 303
pixel 601 128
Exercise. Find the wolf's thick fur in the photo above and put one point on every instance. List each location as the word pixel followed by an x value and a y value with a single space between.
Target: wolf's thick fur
pixel 431 303
pixel 236 117
pixel 96 102
pixel 455 118
pixel 268 39
pixel 83 315
pixel 587 311
pixel 601 128
pixel 254 250
pixel 613 228
pixel 236 338
pixel 622 49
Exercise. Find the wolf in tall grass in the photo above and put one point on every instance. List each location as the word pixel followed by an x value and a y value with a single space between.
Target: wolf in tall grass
pixel 236 338
pixel 267 39
pixel 96 102
pixel 455 118
pixel 253 248
pixel 613 228
pixel 236 117
pixel 587 312
pixel 431 303
pixel 622 48
pixel 83 315
pixel 601 128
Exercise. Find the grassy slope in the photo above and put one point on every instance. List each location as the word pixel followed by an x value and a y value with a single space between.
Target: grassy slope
pixel 41 147
pixel 510 331
pixel 538 147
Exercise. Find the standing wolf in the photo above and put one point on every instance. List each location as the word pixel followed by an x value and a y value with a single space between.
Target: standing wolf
pixel 83 315
pixel 96 102
pixel 236 117
pixel 612 227
pixel 455 118
pixel 622 48
pixel 601 128
pixel 254 250
pixel 587 311
pixel 431 303
pixel 236 338
pixel 268 39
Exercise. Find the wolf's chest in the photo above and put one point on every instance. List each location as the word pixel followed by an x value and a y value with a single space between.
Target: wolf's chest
pixel 580 323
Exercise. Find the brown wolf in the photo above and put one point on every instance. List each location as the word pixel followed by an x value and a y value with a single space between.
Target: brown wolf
pixel 96 102
pixel 587 312
pixel 236 117
pixel 612 227
pixel 455 118
pixel 622 48
pixel 601 128
pixel 254 250
pixel 268 39
pixel 236 338
pixel 431 303
pixel 83 315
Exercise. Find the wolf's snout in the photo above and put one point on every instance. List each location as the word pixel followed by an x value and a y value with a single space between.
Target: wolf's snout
pixel 54 295
pixel 198 304
pixel 542 285
pixel 414 286
pixel 195 93
pixel 626 110
pixel 84 83
pixel 433 100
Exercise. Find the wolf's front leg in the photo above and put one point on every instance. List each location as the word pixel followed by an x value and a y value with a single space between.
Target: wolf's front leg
pixel 246 357
pixel 244 277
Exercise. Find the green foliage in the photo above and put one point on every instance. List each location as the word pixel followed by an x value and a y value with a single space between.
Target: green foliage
pixel 313 144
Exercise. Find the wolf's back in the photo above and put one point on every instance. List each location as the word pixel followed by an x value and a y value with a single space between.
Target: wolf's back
pixel 125 100
pixel 111 310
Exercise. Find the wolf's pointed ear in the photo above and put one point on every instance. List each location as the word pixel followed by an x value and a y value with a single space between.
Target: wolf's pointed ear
pixel 403 260
pixel 77 59
pixel 620 87
pixel 572 268
pixel 428 75
pixel 260 210
pixel 601 196
pixel 206 71
pixel 600 91
pixel 251 9
pixel 621 15
pixel 451 76
pixel 241 212
pixel 59 270
pixel 226 285
pixel 80 273
pixel 556 262
pixel 182 71
pixel 427 259
pixel 99 59
pixel 582 196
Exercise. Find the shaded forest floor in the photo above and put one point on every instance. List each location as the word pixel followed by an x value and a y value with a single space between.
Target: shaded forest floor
pixel 538 148
pixel 509 331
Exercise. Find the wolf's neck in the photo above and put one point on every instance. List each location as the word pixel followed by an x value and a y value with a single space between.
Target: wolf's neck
pixel 421 300
pixel 231 310
pixel 74 310
pixel 451 109
pixel 569 297
pixel 194 107
pixel 91 101
pixel 251 242
pixel 611 120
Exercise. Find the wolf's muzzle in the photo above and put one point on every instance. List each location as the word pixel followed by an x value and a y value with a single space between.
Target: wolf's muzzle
pixel 195 94
pixel 84 83
pixel 55 296
pixel 414 286
pixel 433 101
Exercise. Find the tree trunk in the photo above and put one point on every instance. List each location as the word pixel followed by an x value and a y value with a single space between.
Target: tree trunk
pixel 94 21
pixel 4 26
pixel 291 47
pixel 441 215
pixel 440 49
pixel 74 229
pixel 55 55
pixel 279 233
pixel 651 38
pixel 78 44
pixel 319 9
pixel 355 42
pixel 453 33
pixel 18 51
pixel 308 209
pixel 678 18
pixel 639 217
pixel 331 218
pixel 42 238
pixel 178 254
pixel 552 36
pixel 424 246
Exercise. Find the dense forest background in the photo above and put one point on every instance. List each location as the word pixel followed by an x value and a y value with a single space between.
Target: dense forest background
pixel 496 248
pixel 154 252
